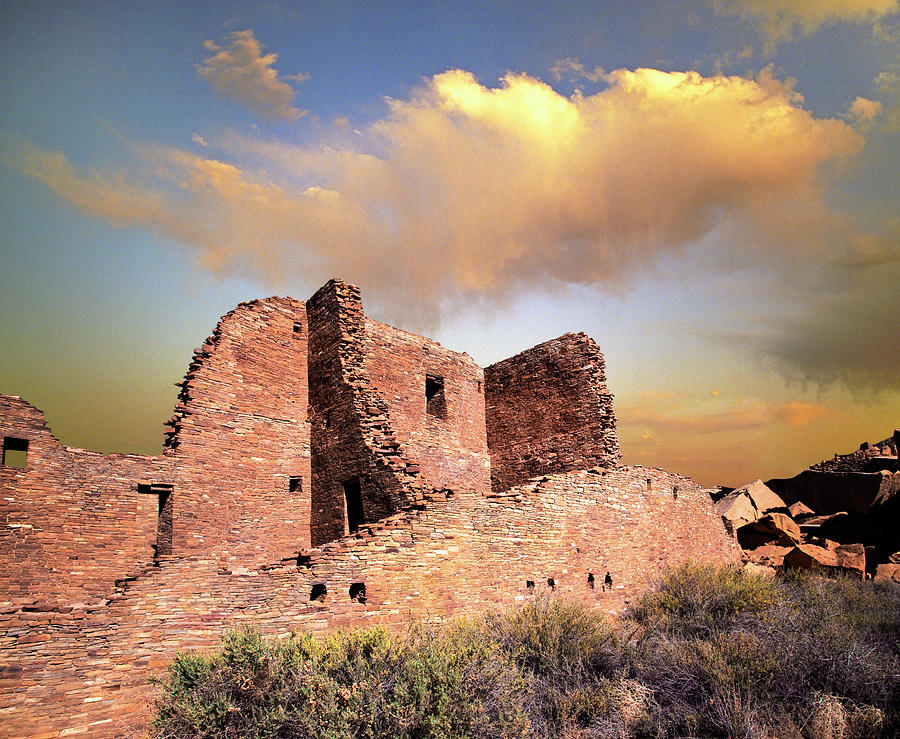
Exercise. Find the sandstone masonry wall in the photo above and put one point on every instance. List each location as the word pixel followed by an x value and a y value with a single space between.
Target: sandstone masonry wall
pixel 449 442
pixel 548 410
pixel 72 521
pixel 240 433
pixel 471 485
pixel 452 555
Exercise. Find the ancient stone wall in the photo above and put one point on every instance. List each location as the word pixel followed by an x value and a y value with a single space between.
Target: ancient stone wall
pixel 71 521
pixel 240 434
pixel 452 555
pixel 321 470
pixel 548 410
pixel 355 452
pixel 446 432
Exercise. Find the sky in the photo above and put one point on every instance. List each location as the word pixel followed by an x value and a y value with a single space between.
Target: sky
pixel 708 188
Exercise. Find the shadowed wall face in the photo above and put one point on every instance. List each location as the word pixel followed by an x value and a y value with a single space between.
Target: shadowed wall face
pixel 548 410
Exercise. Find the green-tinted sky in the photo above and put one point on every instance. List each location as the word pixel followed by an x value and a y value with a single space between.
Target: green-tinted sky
pixel 709 188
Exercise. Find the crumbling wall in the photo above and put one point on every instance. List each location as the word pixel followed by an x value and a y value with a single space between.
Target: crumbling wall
pixel 353 441
pixel 453 555
pixel 240 433
pixel 548 410
pixel 71 521
pixel 446 433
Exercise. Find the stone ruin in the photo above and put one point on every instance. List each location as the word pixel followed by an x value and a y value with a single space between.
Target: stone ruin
pixel 321 470
pixel 841 515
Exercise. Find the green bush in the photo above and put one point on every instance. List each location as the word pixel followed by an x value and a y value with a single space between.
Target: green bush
pixel 365 683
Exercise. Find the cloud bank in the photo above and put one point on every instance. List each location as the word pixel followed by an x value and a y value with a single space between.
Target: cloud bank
pixel 241 71
pixel 466 192
pixel 782 20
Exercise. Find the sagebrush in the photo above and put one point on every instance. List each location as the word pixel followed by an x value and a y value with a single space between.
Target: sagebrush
pixel 709 652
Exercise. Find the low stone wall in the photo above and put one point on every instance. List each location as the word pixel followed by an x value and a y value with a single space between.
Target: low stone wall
pixel 85 671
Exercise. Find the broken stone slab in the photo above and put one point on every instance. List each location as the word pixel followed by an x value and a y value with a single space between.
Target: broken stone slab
pixel 849 558
pixel 736 510
pixel 800 510
pixel 773 528
pixel 888 571
pixel 770 555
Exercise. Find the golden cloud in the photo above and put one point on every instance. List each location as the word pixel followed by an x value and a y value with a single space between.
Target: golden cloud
pixel 464 190
pixel 780 20
pixel 241 71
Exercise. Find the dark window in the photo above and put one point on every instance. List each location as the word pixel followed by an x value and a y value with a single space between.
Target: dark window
pixel 591 580
pixel 163 515
pixel 529 586
pixel 318 592
pixel 649 483
pixel 353 498
pixel 15 452
pixel 358 592
pixel 435 404
pixel 675 492
pixel 298 328
pixel 295 485
pixel 551 583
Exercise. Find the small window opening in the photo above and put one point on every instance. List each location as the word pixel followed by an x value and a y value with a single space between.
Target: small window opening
pixel 353 502
pixel 435 403
pixel 529 586
pixel 15 452
pixel 295 485
pixel 674 492
pixel 318 592
pixel 551 583
pixel 479 386
pixel 358 592
pixel 298 328
pixel 607 582
pixel 164 511
pixel 649 484
pixel 591 580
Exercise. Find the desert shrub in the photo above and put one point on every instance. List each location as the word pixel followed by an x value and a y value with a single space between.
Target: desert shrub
pixel 709 652
pixel 700 599
pixel 567 654
pixel 431 683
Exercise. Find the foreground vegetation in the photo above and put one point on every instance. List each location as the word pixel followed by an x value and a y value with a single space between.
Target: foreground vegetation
pixel 709 653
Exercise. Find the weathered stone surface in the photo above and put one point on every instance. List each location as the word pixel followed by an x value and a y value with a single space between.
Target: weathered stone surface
pixel 773 528
pixel 808 557
pixel 848 558
pixel 771 555
pixel 737 510
pixel 888 571
pixel 800 510
pixel 111 564
pixel 764 498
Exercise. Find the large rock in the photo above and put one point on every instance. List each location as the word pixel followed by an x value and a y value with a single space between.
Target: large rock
pixel 888 571
pixel 763 497
pixel 800 510
pixel 773 528
pixel 746 504
pixel 843 558
pixel 736 510
pixel 770 555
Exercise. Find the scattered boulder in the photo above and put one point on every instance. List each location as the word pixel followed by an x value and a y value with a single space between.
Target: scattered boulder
pixel 746 504
pixel 773 528
pixel 800 510
pixel 848 558
pixel 770 555
pixel 888 571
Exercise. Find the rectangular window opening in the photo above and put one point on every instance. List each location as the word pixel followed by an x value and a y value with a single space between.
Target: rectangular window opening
pixel 435 403
pixel 353 501
pixel 15 452
pixel 298 328
pixel 295 485
pixel 164 495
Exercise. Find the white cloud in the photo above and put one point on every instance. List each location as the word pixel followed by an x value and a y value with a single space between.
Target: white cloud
pixel 241 71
